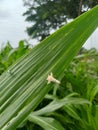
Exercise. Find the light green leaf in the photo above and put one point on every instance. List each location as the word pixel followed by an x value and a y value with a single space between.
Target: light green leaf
pixel 71 110
pixel 58 103
pixel 47 123
pixel 24 85
pixel 94 92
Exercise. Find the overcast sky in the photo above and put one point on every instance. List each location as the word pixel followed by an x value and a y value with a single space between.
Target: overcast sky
pixel 13 25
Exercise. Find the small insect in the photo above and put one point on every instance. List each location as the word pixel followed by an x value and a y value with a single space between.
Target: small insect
pixel 50 79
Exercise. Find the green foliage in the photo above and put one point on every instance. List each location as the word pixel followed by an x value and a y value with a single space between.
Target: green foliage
pixel 9 55
pixel 68 106
pixel 81 70
pixel 47 15
pixel 23 86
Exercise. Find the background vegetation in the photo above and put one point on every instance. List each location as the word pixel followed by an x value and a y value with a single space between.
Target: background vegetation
pixel 80 81
pixel 9 55
pixel 46 16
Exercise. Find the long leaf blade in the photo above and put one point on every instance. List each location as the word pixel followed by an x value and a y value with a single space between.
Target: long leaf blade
pixel 47 123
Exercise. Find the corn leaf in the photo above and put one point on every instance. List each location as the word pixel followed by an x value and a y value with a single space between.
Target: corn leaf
pixel 94 92
pixel 58 103
pixel 47 123
pixel 24 85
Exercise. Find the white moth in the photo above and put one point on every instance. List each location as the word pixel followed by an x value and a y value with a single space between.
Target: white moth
pixel 50 79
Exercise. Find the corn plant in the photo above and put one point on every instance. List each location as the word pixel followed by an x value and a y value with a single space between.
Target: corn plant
pixel 8 54
pixel 23 86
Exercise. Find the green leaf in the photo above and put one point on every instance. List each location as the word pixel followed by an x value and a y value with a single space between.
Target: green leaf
pixel 24 85
pixel 70 109
pixel 47 123
pixel 58 103
pixel 94 92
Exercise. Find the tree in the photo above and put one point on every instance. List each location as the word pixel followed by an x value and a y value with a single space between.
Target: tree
pixel 48 15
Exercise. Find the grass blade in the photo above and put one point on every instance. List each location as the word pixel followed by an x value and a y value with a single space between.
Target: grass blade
pixel 47 123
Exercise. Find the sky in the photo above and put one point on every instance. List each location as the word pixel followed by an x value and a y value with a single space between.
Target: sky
pixel 92 41
pixel 13 24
